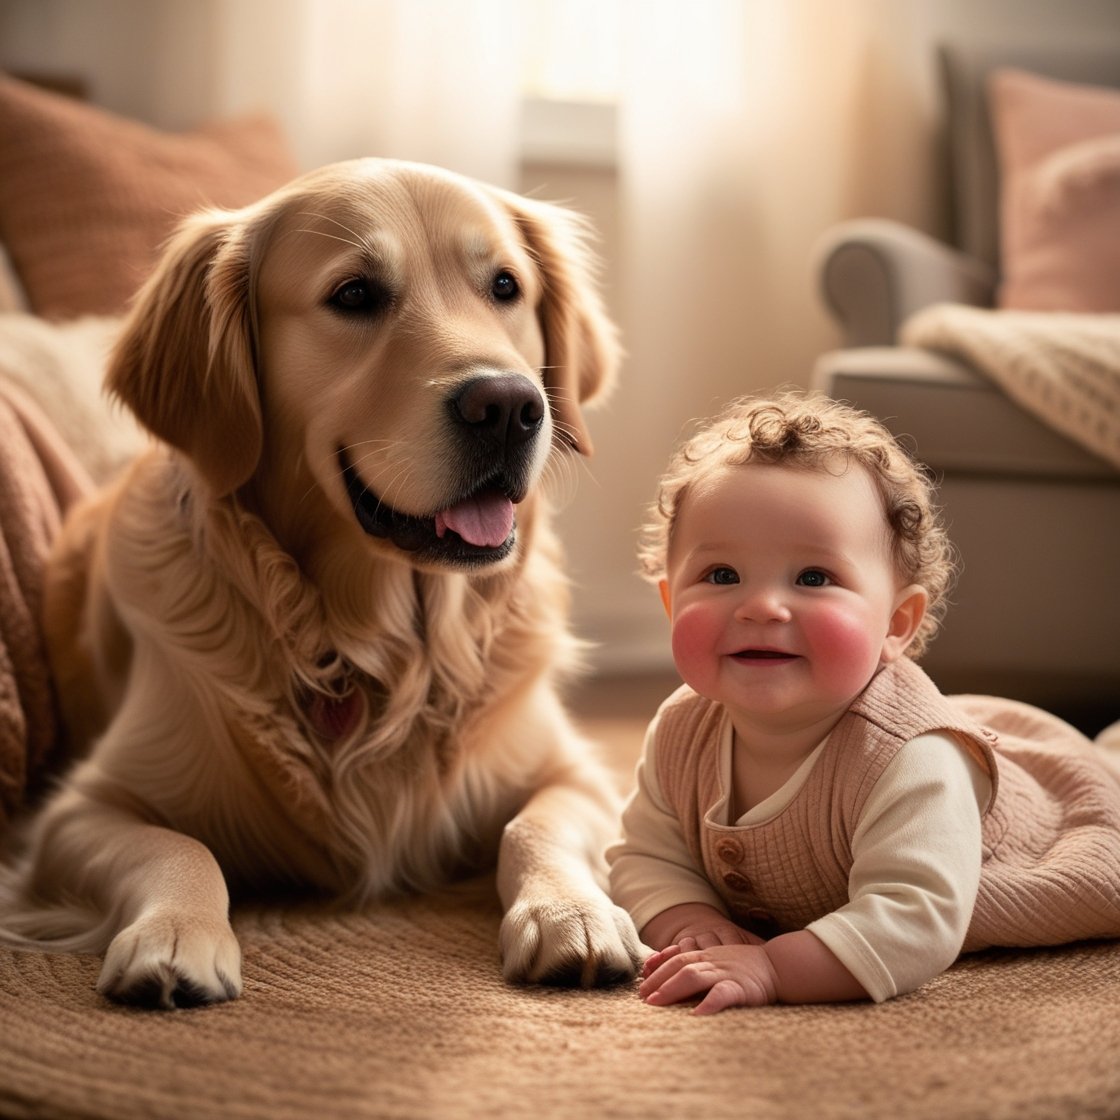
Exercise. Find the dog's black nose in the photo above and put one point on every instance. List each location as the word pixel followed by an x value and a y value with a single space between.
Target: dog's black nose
pixel 505 407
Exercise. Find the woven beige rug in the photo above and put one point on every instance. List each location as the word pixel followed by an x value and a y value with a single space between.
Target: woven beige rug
pixel 402 1012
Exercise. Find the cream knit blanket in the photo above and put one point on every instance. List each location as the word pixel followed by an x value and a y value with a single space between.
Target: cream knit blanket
pixel 1064 368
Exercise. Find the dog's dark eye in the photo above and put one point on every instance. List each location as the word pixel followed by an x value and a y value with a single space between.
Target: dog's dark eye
pixel 505 286
pixel 359 296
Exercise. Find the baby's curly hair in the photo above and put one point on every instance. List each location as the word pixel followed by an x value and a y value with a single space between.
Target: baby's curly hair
pixel 813 431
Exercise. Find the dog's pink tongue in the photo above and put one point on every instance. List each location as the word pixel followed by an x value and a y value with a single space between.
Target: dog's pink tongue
pixel 485 520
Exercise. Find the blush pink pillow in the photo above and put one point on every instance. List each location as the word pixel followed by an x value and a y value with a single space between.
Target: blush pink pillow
pixel 1058 146
pixel 87 197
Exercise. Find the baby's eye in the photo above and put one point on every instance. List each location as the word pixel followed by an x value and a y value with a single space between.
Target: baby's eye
pixel 722 577
pixel 813 577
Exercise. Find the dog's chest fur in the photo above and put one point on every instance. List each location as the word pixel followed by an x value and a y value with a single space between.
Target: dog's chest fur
pixel 356 750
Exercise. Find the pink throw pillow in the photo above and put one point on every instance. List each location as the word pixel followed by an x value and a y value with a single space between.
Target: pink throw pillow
pixel 1058 146
pixel 87 197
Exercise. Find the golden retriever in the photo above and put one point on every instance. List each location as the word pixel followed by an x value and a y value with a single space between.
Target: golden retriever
pixel 314 635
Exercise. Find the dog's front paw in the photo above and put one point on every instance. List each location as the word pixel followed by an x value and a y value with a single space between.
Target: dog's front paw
pixel 583 941
pixel 172 960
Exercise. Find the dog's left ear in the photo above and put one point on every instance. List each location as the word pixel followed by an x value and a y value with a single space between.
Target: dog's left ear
pixel 184 362
pixel 582 352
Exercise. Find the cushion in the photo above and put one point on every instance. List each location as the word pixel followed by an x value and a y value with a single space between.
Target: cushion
pixel 88 197
pixel 12 295
pixel 1059 154
pixel 60 367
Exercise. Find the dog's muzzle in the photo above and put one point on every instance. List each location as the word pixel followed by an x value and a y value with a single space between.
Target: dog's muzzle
pixel 496 422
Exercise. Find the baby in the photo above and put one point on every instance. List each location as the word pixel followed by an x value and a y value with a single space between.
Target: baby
pixel 813 820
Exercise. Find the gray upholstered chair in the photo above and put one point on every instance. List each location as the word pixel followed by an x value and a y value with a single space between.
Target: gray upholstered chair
pixel 1036 612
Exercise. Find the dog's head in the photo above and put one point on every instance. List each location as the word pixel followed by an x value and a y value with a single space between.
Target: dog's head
pixel 395 343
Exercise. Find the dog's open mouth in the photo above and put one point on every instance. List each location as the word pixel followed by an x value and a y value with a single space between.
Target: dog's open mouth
pixel 478 528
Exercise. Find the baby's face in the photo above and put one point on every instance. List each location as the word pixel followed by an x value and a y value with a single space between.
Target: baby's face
pixel 783 598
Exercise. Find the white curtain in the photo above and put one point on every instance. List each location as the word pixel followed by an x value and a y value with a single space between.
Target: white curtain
pixel 431 80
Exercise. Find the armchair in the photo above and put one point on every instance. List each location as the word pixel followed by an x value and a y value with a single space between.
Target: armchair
pixel 1035 517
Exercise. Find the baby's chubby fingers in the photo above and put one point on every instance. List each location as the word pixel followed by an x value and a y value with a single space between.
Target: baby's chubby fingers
pixel 706 939
pixel 662 967
pixel 721 995
pixel 655 960
pixel 732 975
pixel 679 978
pixel 726 933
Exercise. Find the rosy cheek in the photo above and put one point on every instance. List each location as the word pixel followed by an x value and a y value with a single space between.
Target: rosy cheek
pixel 843 646
pixel 695 637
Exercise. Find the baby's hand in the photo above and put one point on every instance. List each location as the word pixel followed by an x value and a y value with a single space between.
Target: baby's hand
pixel 732 975
pixel 707 934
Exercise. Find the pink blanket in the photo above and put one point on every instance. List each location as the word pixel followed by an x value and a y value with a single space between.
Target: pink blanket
pixel 39 479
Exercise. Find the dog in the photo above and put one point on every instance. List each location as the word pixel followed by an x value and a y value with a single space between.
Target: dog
pixel 313 637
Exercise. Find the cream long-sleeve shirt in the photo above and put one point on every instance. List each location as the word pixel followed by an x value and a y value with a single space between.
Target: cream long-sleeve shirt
pixel 916 859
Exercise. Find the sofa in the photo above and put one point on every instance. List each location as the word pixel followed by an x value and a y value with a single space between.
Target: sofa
pixel 976 349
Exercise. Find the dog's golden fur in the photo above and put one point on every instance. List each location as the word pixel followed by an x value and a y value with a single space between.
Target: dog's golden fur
pixel 303 639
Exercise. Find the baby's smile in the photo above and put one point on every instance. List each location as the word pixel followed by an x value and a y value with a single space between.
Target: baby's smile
pixel 765 656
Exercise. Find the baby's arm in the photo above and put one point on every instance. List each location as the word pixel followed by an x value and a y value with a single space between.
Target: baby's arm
pixel 652 872
pixel 792 968
pixel 913 884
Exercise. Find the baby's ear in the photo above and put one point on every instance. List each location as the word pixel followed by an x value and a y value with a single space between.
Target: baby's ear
pixel 909 610
pixel 666 597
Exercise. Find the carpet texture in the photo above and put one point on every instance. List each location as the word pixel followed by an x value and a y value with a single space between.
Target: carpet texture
pixel 402 1012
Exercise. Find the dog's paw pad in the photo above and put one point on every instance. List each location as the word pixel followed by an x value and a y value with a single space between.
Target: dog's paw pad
pixel 585 943
pixel 587 972
pixel 169 961
pixel 167 989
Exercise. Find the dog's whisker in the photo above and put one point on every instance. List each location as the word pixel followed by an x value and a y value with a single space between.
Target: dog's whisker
pixel 364 443
pixel 387 448
pixel 394 484
pixel 561 475
pixel 333 220
pixel 330 237
pixel 313 489
pixel 369 460
pixel 310 492
pixel 335 471
pixel 566 435
pixel 354 237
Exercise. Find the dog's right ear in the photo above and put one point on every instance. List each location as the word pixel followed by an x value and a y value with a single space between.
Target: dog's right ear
pixel 581 345
pixel 185 361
